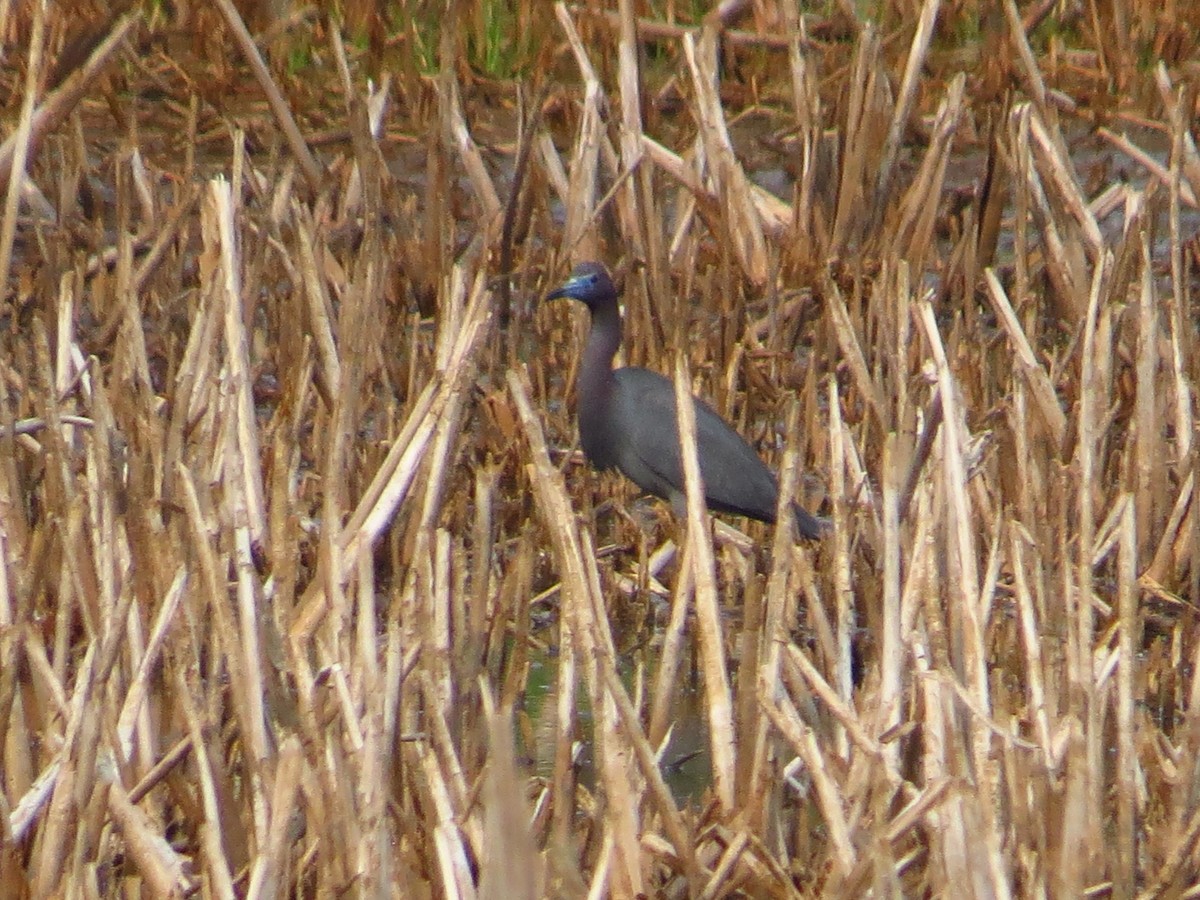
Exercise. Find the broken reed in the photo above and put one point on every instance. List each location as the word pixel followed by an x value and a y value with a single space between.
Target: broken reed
pixel 273 542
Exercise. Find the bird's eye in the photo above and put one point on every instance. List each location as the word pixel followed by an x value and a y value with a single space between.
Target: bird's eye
pixel 592 279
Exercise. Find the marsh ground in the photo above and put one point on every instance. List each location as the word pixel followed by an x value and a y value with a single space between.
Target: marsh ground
pixel 306 590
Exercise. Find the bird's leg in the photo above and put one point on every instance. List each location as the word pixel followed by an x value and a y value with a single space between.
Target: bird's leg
pixel 643 571
pixel 651 560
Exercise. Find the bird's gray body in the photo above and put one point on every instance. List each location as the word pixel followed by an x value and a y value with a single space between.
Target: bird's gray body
pixel 641 407
pixel 627 421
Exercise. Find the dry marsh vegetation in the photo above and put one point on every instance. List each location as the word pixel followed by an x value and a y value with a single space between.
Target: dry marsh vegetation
pixel 306 591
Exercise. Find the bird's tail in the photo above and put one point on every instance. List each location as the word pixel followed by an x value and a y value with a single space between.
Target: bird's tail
pixel 810 526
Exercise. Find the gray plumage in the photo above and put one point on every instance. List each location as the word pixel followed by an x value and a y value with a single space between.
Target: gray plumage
pixel 627 421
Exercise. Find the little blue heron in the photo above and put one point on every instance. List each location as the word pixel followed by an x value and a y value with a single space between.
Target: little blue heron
pixel 627 421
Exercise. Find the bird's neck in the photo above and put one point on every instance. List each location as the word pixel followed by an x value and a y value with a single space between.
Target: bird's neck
pixel 596 377
pixel 597 387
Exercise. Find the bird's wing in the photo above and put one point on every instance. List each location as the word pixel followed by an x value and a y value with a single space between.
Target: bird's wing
pixel 735 479
pixel 649 443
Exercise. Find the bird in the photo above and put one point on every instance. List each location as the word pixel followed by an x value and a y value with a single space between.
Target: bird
pixel 627 422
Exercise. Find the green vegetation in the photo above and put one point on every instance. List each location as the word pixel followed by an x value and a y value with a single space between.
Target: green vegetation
pixel 493 50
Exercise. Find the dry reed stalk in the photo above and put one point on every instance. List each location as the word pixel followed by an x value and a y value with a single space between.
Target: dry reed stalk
pixel 639 207
pixel 46 869
pixel 648 29
pixel 66 335
pixel 1081 836
pixel 841 710
pixel 451 853
pixel 1030 72
pixel 373 863
pixel 22 147
pixel 852 351
pixel 891 648
pixel 394 478
pixel 806 98
pixel 593 645
pixel 1150 472
pixel 965 600
pixel 1053 155
pixel 725 868
pixel 1184 846
pixel 1162 173
pixel 580 195
pixel 511 867
pixel 1064 247
pixel 768 638
pixel 450 772
pixel 775 215
pixel 164 870
pixel 708 617
pixel 867 107
pixel 552 167
pixel 637 200
pixel 243 478
pixel 741 222
pixel 914 232
pixel 1183 156
pixel 58 105
pixel 1125 868
pixel 803 742
pixel 1175 100
pixel 807 101
pixel 366 115
pixel 988 600
pixel 283 114
pixel 1039 382
pixel 845 614
pixel 319 318
pixel 219 871
pixel 134 706
pixel 622 785
pixel 917 53
pixel 267 870
pixel 672 820
pixel 670 659
pixel 458 136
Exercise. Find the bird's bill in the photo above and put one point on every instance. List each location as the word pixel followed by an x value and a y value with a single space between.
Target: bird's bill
pixel 566 289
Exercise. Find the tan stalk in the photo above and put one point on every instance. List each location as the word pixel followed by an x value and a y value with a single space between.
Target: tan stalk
pixel 917 53
pixel 708 616
pixel 742 224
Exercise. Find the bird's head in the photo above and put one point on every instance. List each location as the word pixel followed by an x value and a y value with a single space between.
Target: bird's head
pixel 589 283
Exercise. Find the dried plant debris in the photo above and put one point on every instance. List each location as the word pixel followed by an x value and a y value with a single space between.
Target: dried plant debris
pixel 305 589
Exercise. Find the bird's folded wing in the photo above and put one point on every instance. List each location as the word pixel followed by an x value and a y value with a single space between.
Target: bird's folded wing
pixel 651 441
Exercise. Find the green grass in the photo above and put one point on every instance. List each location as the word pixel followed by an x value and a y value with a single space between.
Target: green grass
pixel 299 58
pixel 492 49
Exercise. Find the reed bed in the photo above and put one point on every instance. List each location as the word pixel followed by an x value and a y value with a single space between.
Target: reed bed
pixel 306 590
